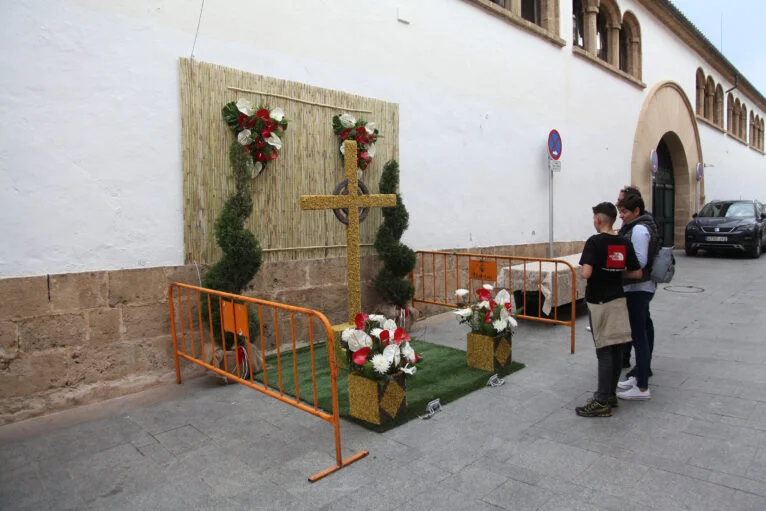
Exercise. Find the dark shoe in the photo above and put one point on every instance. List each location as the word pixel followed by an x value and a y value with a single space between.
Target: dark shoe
pixel 625 363
pixel 594 409
pixel 613 402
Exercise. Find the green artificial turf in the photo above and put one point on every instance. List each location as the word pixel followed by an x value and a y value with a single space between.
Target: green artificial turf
pixel 442 373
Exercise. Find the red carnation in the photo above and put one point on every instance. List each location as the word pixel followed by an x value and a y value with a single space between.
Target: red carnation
pixel 344 133
pixel 266 133
pixel 260 156
pixel 274 155
pixel 360 130
pixel 508 306
pixel 365 155
pixel 259 143
pixel 251 122
pixel 246 149
pixel 483 294
pixel 270 124
pixel 262 114
pixel 280 129
pixel 400 335
pixel 241 120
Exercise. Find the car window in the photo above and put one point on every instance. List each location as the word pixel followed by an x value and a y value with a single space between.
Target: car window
pixel 728 210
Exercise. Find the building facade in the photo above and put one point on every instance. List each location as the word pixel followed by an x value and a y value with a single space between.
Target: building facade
pixel 90 159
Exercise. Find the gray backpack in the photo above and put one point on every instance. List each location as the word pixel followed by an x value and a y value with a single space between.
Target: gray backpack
pixel 663 266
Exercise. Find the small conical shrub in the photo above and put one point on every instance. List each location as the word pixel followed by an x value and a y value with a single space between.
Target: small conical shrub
pixel 398 259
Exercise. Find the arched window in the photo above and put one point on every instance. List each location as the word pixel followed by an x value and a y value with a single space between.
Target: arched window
pixel 602 43
pixel 760 132
pixel 718 106
pixel 709 98
pixel 743 123
pixel 700 82
pixel 630 45
pixel 753 132
pixel 530 11
pixel 735 119
pixel 578 24
pixel 730 113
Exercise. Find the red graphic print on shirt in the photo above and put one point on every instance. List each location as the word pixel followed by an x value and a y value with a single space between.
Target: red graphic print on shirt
pixel 615 257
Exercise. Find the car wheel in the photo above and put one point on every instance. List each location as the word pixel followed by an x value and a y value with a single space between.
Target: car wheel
pixel 755 252
pixel 691 251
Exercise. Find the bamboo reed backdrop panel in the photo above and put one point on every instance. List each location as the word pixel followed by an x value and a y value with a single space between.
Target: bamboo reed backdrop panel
pixel 309 163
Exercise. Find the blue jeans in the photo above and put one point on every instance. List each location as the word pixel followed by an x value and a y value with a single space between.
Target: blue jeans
pixel 642 330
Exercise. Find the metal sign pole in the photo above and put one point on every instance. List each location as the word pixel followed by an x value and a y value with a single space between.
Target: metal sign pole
pixel 550 211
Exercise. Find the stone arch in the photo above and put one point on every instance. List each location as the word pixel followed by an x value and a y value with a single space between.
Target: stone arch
pixel 631 39
pixel 668 114
pixel 718 106
pixel 700 82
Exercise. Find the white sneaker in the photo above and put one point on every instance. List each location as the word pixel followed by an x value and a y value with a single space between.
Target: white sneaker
pixel 635 393
pixel 627 384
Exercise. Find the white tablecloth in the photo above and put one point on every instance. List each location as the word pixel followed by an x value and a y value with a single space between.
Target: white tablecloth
pixel 562 282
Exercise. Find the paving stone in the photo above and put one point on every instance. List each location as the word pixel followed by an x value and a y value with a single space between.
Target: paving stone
pixel 474 481
pixel 519 496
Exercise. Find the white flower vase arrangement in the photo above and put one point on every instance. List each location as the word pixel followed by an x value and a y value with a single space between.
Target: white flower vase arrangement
pixel 489 343
pixel 380 358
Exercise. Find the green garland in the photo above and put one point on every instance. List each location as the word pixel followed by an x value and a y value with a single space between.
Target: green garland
pixel 398 259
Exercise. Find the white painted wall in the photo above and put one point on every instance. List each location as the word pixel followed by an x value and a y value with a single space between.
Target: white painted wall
pixel 90 165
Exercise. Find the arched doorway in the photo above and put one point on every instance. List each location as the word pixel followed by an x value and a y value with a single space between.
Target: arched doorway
pixel 667 123
pixel 663 192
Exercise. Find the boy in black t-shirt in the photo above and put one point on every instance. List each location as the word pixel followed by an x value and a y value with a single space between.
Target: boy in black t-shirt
pixel 605 259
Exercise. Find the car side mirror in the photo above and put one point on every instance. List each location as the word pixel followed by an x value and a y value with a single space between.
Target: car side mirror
pixel 694 215
pixel 763 216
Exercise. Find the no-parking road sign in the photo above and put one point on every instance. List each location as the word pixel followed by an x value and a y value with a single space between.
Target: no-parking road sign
pixel 554 145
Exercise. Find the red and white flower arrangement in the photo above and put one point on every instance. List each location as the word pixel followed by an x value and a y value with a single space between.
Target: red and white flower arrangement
pixel 487 316
pixel 378 348
pixel 258 129
pixel 347 127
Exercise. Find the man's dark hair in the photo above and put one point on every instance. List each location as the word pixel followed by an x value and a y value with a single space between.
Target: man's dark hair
pixel 631 190
pixel 606 209
pixel 631 201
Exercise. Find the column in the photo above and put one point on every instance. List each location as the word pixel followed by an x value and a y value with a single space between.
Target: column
pixel 613 43
pixel 515 6
pixel 589 21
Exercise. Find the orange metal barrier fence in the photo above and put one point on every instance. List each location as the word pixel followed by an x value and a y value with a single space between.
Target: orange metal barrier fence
pixel 189 303
pixel 438 274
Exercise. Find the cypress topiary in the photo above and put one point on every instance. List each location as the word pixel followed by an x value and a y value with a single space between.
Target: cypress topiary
pixel 241 250
pixel 398 259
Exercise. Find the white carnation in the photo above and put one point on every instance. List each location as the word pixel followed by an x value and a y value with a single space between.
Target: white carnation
pixel 381 364
pixel 346 334
pixel 499 325
pixel 488 287
pixel 375 332
pixel 461 292
pixel 378 318
pixel 464 313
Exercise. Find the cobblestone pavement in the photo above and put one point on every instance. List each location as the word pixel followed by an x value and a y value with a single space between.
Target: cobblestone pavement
pixel 699 443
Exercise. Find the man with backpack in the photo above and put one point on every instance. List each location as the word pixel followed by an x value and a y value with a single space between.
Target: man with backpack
pixel 640 228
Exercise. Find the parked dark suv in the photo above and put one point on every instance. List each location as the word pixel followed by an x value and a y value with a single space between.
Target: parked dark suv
pixel 728 224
